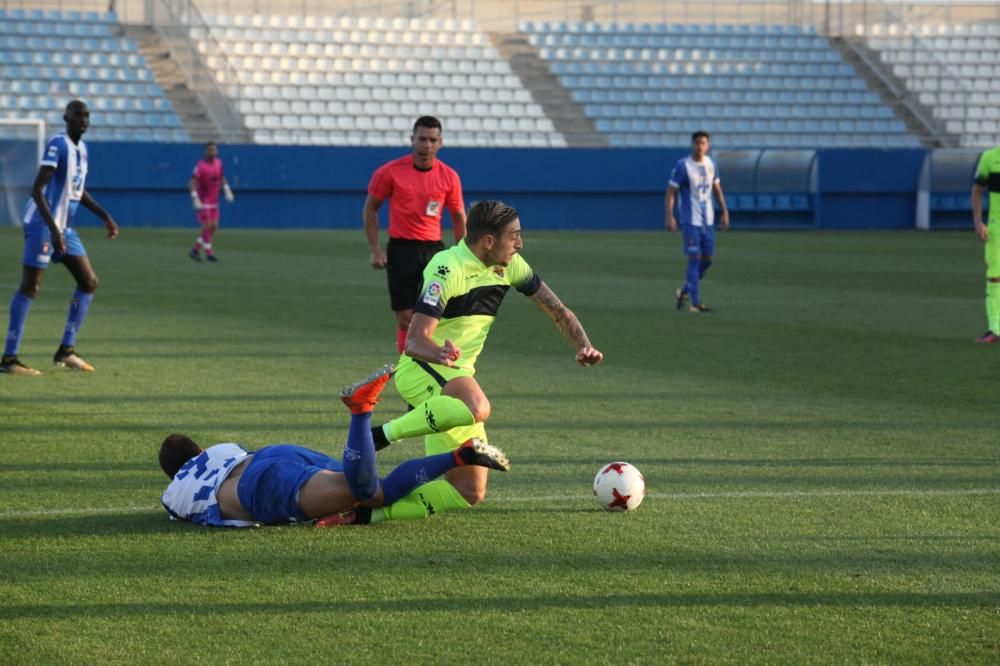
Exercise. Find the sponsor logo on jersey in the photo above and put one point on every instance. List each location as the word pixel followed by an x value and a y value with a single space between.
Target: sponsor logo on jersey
pixel 432 295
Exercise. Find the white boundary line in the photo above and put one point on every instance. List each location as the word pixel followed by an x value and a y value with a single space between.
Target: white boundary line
pixel 749 494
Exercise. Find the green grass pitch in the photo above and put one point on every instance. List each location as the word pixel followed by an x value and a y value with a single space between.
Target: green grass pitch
pixel 821 454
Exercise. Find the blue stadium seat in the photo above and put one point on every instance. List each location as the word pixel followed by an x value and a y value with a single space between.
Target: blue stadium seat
pixel 783 202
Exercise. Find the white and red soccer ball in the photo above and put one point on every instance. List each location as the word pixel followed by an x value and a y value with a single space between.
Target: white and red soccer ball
pixel 619 486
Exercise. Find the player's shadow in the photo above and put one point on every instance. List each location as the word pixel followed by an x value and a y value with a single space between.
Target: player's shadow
pixel 86 525
pixel 159 400
pixel 328 425
pixel 512 604
pixel 45 468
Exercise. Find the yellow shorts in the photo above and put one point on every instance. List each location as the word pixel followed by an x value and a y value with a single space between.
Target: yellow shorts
pixel 418 381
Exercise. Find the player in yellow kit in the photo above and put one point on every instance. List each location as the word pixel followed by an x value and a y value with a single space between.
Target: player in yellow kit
pixel 988 179
pixel 462 291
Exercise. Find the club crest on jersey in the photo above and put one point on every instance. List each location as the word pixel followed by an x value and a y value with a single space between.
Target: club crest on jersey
pixel 432 295
pixel 498 270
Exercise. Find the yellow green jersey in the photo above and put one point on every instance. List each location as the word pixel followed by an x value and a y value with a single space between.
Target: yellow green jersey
pixel 988 176
pixel 465 294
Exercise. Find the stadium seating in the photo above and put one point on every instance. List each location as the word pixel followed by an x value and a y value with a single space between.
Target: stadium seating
pixel 749 85
pixel 952 69
pixel 50 57
pixel 363 81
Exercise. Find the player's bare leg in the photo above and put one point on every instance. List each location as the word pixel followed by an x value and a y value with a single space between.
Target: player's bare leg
pixel 470 482
pixel 329 493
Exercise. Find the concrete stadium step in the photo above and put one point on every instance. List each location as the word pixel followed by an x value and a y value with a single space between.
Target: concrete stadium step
pixel 919 119
pixel 566 114
pixel 171 78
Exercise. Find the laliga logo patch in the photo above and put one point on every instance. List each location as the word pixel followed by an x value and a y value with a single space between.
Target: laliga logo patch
pixel 433 209
pixel 53 151
pixel 432 296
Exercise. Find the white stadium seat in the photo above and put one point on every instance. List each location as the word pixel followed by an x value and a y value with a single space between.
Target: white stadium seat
pixel 353 80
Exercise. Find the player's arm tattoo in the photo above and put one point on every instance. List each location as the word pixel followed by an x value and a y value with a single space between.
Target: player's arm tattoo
pixel 565 320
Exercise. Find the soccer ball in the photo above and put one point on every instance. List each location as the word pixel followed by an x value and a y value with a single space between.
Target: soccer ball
pixel 619 486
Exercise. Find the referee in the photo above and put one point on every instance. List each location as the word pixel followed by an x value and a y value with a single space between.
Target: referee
pixel 420 187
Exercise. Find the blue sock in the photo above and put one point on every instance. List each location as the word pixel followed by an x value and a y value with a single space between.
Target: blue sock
pixel 703 267
pixel 413 473
pixel 77 313
pixel 691 286
pixel 19 306
pixel 359 458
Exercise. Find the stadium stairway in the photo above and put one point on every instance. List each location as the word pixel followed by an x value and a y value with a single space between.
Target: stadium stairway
pixel 566 114
pixel 919 118
pixel 170 76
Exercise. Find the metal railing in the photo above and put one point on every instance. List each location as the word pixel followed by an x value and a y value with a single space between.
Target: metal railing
pixel 906 24
pixel 218 87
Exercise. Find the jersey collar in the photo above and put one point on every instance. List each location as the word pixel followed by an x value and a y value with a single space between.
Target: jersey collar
pixel 469 255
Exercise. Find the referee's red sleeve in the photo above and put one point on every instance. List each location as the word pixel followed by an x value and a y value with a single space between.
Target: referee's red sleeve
pixel 455 200
pixel 380 186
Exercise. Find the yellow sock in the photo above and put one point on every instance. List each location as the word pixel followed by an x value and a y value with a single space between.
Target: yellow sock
pixel 430 498
pixel 993 306
pixel 437 414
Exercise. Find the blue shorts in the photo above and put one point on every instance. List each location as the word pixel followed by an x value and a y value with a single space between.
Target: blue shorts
pixel 699 241
pixel 269 486
pixel 38 250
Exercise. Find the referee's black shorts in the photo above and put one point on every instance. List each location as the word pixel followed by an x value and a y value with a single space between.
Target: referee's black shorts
pixel 407 260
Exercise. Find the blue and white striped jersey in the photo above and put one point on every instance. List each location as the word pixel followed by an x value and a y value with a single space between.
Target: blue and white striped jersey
pixel 192 494
pixel 694 181
pixel 64 191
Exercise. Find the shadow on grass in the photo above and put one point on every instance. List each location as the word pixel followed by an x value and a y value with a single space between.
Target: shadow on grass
pixel 43 468
pixel 160 400
pixel 336 430
pixel 126 523
pixel 507 605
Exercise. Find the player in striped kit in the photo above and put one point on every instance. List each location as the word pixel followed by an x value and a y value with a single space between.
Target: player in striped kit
pixel 58 191
pixel 696 179
pixel 204 186
pixel 228 486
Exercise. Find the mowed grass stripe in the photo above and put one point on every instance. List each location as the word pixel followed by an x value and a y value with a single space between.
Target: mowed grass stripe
pixel 804 494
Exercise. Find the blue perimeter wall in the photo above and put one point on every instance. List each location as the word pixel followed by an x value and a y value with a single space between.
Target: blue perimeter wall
pixel 145 184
